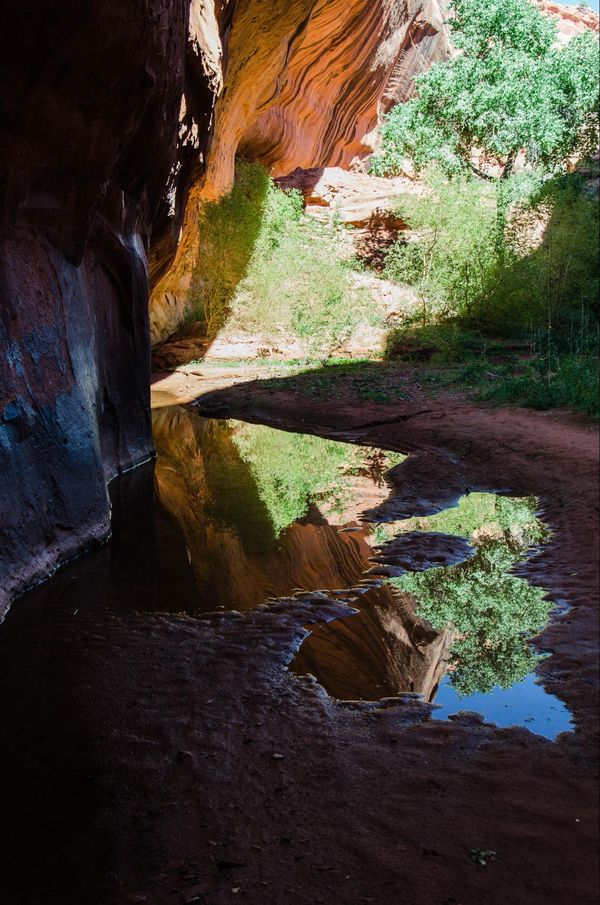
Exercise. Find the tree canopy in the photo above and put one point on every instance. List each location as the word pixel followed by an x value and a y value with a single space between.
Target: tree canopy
pixel 509 89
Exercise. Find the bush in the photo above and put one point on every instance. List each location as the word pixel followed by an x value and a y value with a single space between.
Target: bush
pixel 497 277
pixel 549 278
pixel 268 270
pixel 454 250
pixel 530 277
pixel 568 381
pixel 443 343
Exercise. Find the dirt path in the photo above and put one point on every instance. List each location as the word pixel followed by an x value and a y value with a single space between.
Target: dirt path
pixel 162 731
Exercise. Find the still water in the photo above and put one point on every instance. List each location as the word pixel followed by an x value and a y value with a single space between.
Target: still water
pixel 241 513
pixel 265 513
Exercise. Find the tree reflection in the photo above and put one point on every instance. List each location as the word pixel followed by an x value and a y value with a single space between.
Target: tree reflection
pixel 491 612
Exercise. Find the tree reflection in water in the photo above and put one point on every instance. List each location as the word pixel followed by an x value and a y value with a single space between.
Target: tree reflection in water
pixel 264 513
pixel 491 612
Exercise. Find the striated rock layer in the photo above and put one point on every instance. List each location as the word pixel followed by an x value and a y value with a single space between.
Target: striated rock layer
pixel 111 114
pixel 570 20
pixel 304 84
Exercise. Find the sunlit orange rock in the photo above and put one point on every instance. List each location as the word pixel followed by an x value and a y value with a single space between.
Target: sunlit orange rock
pixel 303 85
pixel 570 20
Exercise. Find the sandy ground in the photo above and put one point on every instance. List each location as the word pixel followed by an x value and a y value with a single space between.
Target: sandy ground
pixel 162 759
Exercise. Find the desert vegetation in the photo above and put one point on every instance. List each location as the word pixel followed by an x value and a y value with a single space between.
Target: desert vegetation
pixel 501 254
pixel 267 270
pixel 504 243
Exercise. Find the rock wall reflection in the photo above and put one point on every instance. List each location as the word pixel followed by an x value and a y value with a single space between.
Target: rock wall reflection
pixel 237 558
pixel 384 650
pixel 228 515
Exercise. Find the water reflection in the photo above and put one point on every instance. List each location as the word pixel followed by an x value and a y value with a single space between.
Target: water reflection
pixel 233 514
pixel 263 513
pixel 460 636
pixel 381 651
pixel 491 611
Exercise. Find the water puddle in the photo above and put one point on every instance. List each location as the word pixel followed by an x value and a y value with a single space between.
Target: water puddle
pixel 234 514
pixel 523 704
pixel 457 636
pixel 262 513
pixel 491 615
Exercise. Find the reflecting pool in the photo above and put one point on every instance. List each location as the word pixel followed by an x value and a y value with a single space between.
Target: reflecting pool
pixel 234 514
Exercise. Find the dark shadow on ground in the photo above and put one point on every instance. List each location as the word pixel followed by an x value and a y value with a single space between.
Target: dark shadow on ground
pixel 377 237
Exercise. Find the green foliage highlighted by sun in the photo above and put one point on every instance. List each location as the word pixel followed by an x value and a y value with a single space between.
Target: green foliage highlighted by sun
pixel 268 271
pixel 511 519
pixel 452 258
pixel 491 612
pixel 508 90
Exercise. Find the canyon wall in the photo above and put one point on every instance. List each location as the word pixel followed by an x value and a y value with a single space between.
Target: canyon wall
pixel 107 119
pixel 117 121
pixel 95 157
pixel 303 83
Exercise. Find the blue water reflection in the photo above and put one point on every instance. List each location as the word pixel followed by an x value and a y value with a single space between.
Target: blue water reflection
pixel 524 704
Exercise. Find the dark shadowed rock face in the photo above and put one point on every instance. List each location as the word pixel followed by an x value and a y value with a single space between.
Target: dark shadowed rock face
pixel 90 143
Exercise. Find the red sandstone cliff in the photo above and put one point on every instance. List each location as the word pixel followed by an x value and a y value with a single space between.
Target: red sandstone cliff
pixel 304 84
pixel 570 20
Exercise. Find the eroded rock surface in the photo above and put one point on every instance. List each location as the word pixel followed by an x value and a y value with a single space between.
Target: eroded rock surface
pixel 95 157
pixel 570 20
pixel 304 84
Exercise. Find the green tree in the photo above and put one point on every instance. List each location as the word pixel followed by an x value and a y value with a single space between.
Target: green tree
pixel 509 89
pixel 492 613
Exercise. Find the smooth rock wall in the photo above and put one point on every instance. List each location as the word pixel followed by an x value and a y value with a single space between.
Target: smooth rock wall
pixel 95 158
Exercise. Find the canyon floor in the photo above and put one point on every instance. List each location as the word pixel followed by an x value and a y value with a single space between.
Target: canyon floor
pixel 159 758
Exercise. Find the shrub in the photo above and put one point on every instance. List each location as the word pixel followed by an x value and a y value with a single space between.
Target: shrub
pixel 268 270
pixel 509 91
pixel 567 381
pixel 552 280
pixel 228 231
pixel 539 268
pixel 454 251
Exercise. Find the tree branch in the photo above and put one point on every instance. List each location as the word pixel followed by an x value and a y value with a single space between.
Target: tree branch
pixel 508 166
pixel 481 174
